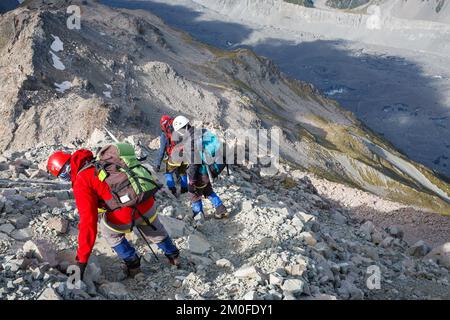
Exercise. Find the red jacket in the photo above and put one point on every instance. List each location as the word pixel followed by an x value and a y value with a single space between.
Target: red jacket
pixel 88 191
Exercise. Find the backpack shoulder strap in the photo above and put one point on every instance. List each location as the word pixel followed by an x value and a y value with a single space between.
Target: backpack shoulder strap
pixel 87 165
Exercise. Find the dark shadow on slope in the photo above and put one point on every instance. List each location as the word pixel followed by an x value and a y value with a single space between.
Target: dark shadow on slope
pixel 7 5
pixel 417 225
pixel 217 33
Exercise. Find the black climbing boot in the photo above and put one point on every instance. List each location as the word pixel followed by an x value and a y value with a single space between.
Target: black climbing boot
pixel 183 190
pixel 133 266
pixel 174 258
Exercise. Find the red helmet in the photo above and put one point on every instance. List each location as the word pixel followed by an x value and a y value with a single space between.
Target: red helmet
pixel 57 161
pixel 165 120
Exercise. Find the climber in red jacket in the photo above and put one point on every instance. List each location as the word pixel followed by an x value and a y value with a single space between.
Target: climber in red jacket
pixel 89 193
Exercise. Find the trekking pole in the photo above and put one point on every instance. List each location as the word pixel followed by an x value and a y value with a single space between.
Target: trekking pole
pixel 148 244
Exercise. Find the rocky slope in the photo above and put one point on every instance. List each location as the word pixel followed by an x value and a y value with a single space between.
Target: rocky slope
pixel 290 236
pixel 285 239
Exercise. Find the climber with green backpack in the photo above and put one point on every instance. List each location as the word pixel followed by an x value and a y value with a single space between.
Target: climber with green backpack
pixel 202 153
pixel 118 190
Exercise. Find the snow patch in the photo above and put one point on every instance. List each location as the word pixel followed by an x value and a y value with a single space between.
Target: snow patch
pixel 107 93
pixel 57 63
pixel 62 87
pixel 57 44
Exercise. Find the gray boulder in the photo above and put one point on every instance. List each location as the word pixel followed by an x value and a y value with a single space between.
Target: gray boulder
pixel 294 286
pixel 419 249
pixel 49 294
pixel 114 290
pixel 246 272
pixel 59 224
pixel 395 232
pixel 42 250
pixel 441 255
pixel 176 228
pixel 7 228
pixel 22 234
pixel 197 244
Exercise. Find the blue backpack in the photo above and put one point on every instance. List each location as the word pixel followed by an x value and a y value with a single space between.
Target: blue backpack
pixel 210 154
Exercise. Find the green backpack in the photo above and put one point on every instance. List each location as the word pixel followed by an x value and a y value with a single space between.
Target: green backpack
pixel 131 183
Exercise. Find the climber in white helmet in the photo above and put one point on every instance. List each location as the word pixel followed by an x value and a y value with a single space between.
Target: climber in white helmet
pixel 199 184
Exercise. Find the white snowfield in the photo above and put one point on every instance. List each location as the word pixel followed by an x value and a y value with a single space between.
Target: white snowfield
pixel 387 64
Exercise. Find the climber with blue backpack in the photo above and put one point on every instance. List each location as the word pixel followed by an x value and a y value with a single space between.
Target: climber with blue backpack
pixel 200 147
pixel 167 145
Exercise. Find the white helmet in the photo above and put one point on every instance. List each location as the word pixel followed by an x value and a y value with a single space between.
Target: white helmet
pixel 180 122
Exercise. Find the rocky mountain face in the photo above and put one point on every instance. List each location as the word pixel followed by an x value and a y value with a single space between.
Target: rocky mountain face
pixel 286 239
pixel 290 236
